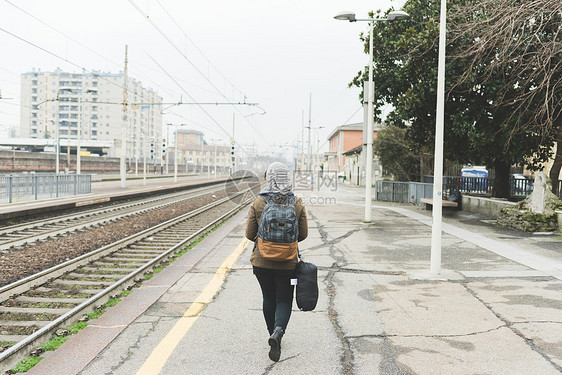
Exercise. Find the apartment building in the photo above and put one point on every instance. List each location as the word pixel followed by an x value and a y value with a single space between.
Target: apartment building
pixel 92 102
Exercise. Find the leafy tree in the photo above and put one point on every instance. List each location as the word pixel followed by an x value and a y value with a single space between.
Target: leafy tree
pixel 395 154
pixel 480 125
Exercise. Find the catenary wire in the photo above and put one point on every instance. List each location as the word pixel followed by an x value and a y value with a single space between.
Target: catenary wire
pixel 146 17
pixel 197 47
pixel 88 48
pixel 200 107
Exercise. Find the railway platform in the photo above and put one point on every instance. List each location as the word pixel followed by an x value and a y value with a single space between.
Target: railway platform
pixel 105 189
pixel 494 308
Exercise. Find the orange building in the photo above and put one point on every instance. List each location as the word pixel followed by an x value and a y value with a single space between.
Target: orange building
pixel 342 140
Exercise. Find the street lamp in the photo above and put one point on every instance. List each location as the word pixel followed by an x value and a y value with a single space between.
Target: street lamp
pixel 350 16
pixel 435 263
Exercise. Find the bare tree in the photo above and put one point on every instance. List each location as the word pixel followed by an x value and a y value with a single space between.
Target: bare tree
pixel 521 42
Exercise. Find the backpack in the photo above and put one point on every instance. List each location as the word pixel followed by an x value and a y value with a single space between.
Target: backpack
pixel 278 229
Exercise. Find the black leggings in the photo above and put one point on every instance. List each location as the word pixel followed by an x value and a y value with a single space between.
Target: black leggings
pixel 277 294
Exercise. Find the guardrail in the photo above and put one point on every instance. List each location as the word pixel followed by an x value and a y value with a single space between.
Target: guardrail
pixel 30 187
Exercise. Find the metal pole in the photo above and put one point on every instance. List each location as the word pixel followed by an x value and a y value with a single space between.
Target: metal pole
pixel 176 156
pixel 302 142
pixel 57 152
pixel 309 130
pixel 124 128
pixel 167 140
pixel 369 136
pixel 80 114
pixel 365 120
pixel 215 160
pixel 438 166
pixel 144 144
pixel 138 136
pixel 209 166
pixel 233 141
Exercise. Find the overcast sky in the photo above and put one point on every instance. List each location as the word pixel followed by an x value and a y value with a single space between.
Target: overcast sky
pixel 275 53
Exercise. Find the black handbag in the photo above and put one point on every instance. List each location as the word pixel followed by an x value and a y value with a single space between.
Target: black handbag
pixel 307 285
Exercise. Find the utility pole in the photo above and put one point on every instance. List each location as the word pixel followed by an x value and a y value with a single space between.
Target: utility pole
pixel 166 152
pixel 232 144
pixel 309 130
pixel 80 123
pixel 124 127
pixel 302 142
pixel 138 135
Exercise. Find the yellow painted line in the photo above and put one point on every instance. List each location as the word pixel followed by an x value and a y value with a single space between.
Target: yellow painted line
pixel 159 356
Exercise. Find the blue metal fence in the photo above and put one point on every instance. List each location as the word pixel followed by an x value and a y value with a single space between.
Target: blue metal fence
pixel 29 187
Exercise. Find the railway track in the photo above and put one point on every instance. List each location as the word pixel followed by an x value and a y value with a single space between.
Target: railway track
pixel 14 236
pixel 32 309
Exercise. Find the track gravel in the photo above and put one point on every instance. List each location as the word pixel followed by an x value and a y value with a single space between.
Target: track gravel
pixel 33 258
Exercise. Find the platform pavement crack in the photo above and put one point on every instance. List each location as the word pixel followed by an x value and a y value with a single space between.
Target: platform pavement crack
pixel 135 346
pixel 269 368
pixel 346 358
pixel 510 325
pixel 333 241
pixel 387 335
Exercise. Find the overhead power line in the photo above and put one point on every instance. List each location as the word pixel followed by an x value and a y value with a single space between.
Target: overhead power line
pixel 59 57
pixel 85 46
pixel 197 47
pixel 146 17
pixel 200 107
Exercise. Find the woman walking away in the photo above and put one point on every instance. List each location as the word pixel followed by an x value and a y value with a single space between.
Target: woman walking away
pixel 276 223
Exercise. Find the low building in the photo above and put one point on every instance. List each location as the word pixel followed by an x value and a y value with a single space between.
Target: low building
pixel 345 154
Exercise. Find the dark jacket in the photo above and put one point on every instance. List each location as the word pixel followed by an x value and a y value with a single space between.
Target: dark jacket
pixel 252 233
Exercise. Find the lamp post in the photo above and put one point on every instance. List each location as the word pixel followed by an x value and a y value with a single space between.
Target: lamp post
pixel 350 16
pixel 435 262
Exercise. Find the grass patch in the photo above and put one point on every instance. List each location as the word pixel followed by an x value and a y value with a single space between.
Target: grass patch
pixel 95 314
pixel 126 292
pixel 26 364
pixel 112 302
pixel 54 343
pixel 77 327
pixel 158 270
pixel 148 276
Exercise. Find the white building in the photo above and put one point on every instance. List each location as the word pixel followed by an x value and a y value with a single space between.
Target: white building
pixel 92 102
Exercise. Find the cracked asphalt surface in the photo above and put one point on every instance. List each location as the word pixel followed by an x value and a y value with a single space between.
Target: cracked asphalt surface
pixel 378 312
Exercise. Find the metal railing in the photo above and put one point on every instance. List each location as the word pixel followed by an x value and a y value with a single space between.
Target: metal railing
pixel 29 187
pixel 412 192
pixel 405 192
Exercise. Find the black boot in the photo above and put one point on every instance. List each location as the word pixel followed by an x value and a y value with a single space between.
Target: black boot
pixel 275 344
